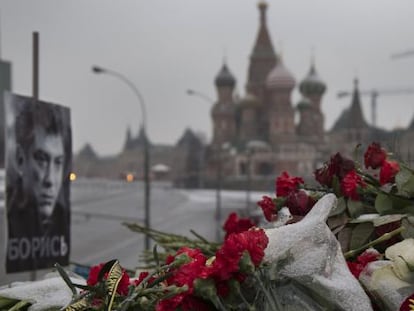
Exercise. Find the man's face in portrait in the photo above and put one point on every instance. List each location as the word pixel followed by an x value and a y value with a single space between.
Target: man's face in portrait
pixel 42 169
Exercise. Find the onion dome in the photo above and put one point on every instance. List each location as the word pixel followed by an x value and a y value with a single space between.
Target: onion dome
pixel 225 78
pixel 249 101
pixel 262 5
pixel 312 84
pixel 280 78
pixel 304 103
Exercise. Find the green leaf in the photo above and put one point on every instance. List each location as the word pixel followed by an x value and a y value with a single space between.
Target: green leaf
pixel 405 182
pixel 21 305
pixel 336 186
pixel 355 208
pixel 389 204
pixel 339 207
pixel 79 305
pixel 245 264
pixel 361 234
pixel 206 288
pixel 65 278
pixel 7 303
pixel 112 282
pixel 383 204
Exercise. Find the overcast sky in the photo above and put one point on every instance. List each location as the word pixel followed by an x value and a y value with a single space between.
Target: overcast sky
pixel 168 46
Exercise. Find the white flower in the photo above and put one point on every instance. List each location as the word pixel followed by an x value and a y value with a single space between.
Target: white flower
pixel 402 256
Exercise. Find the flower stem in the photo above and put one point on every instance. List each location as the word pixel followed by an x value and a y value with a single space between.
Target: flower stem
pixel 381 239
pixel 269 298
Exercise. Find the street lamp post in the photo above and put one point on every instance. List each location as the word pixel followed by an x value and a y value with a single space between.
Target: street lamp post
pixel 249 181
pixel 100 70
pixel 219 176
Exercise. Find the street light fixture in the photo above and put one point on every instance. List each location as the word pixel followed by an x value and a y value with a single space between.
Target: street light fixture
pixel 218 154
pixel 199 94
pixel 101 70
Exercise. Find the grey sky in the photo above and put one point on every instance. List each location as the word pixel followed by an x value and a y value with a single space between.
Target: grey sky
pixel 166 47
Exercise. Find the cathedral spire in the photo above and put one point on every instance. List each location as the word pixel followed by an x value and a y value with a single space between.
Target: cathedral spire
pixel 128 139
pixel 263 57
pixel 355 113
pixel 262 5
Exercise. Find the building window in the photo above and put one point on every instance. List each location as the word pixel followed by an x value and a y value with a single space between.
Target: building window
pixel 265 169
pixel 243 168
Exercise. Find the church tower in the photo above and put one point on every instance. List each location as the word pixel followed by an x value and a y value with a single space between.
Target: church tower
pixel 262 59
pixel 351 126
pixel 250 109
pixel 311 122
pixel 279 85
pixel 224 111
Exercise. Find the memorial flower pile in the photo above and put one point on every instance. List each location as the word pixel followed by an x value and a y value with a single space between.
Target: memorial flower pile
pixel 374 214
pixel 347 244
pixel 191 278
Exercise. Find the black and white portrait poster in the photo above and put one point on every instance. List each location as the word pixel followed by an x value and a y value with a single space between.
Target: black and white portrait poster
pixel 38 163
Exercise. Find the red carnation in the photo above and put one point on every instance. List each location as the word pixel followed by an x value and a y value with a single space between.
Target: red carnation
pixel 299 203
pixel 268 207
pixel 170 304
pixel 338 166
pixel 371 254
pixel 375 156
pixel 355 268
pixel 189 271
pixel 388 171
pixel 408 303
pixel 362 260
pixel 254 241
pixel 191 303
pixel 141 277
pixel 93 279
pixel 182 302
pixel 223 289
pixel 234 224
pixel 350 184
pixel 93 274
pixel 193 267
pixel 323 176
pixel 285 184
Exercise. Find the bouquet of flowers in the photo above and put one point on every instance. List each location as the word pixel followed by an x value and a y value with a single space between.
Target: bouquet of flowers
pixel 343 244
pixel 373 219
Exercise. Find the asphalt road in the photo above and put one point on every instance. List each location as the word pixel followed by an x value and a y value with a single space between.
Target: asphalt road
pixel 99 207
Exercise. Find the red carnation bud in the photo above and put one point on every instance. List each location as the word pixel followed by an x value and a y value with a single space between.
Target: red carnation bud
pixel 285 184
pixel 299 203
pixel 362 260
pixel 268 207
pixel 408 303
pixel 350 184
pixel 234 224
pixel 388 171
pixel 340 166
pixel 323 176
pixel 375 156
